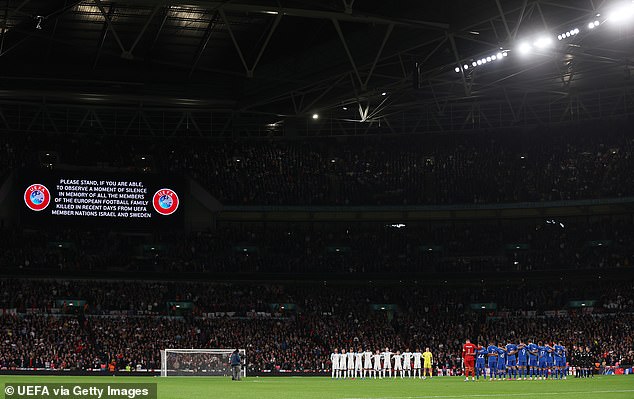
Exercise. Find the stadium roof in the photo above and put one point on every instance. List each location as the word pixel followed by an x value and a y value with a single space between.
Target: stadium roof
pixel 308 67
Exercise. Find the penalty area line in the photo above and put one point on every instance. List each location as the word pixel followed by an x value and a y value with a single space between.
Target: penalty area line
pixel 494 395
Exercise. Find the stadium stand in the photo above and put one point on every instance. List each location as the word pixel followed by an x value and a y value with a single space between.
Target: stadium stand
pixel 293 327
pixel 340 248
pixel 460 169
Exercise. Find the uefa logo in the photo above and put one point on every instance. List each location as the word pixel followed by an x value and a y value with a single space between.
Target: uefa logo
pixel 165 201
pixel 37 197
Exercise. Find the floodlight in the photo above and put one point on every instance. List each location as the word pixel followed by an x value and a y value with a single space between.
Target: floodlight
pixel 524 48
pixel 505 54
pixel 622 13
pixel 466 66
pixel 499 55
pixel 315 116
pixel 591 25
pixel 488 59
pixel 479 62
pixel 494 57
pixel 457 69
pixel 544 42
pixel 474 64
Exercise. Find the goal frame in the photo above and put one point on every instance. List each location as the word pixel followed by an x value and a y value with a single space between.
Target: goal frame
pixel 164 353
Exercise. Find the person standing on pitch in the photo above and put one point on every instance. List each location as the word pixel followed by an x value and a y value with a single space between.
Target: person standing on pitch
pixel 468 357
pixel 334 359
pixel 492 352
pixel 407 362
pixel 417 368
pixel 398 363
pixel 428 359
pixel 235 362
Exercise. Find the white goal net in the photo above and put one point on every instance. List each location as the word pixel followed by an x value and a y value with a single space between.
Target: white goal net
pixel 199 362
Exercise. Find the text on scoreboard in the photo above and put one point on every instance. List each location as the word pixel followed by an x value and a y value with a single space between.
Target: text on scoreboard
pixel 112 197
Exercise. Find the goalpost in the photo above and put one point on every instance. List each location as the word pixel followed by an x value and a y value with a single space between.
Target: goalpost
pixel 199 362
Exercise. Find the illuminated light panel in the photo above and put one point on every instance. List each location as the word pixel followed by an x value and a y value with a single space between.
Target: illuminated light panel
pixel 622 13
pixel 524 48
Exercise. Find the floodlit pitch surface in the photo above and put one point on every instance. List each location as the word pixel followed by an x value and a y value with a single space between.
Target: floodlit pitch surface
pixel 608 387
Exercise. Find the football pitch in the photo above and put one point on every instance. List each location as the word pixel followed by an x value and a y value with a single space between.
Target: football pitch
pixel 608 387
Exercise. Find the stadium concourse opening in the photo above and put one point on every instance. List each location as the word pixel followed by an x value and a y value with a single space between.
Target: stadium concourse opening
pixel 384 199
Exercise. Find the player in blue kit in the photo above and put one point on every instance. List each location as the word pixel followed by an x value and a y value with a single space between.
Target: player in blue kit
pixel 550 361
pixel 492 352
pixel 532 360
pixel 480 365
pixel 511 360
pixel 522 359
pixel 559 360
pixel 501 366
pixel 542 354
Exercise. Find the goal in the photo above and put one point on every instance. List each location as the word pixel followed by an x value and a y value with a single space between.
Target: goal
pixel 198 362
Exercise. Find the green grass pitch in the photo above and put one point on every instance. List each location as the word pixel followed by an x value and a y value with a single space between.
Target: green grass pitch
pixel 602 387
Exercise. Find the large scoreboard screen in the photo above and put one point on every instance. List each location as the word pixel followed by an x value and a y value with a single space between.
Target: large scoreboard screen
pixel 142 200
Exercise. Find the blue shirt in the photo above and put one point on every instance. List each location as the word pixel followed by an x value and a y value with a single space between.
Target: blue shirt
pixel 542 352
pixel 235 359
pixel 523 352
pixel 481 354
pixel 532 350
pixel 511 348
pixel 492 350
pixel 559 351
pixel 501 355
pixel 549 353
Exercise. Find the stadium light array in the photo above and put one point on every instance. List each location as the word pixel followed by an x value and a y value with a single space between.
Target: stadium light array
pixel 571 33
pixel 484 60
pixel 619 14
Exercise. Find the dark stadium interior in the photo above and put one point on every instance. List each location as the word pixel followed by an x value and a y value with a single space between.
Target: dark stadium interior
pixel 348 173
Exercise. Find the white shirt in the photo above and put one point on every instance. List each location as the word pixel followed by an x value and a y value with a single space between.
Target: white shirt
pixel 358 359
pixel 377 361
pixel 407 359
pixel 387 360
pixel 417 356
pixel 334 358
pixel 367 360
pixel 342 361
pixel 398 361
pixel 350 360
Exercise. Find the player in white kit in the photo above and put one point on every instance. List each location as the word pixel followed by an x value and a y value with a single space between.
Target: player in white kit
pixel 398 363
pixel 358 363
pixel 343 361
pixel 351 356
pixel 417 366
pixel 407 362
pixel 367 363
pixel 334 359
pixel 377 364
pixel 387 362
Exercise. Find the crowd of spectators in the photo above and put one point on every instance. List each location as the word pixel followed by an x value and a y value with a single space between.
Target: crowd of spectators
pixel 333 248
pixel 540 165
pixel 318 317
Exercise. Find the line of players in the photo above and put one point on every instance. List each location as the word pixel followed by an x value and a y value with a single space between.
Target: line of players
pixel 362 364
pixel 515 361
